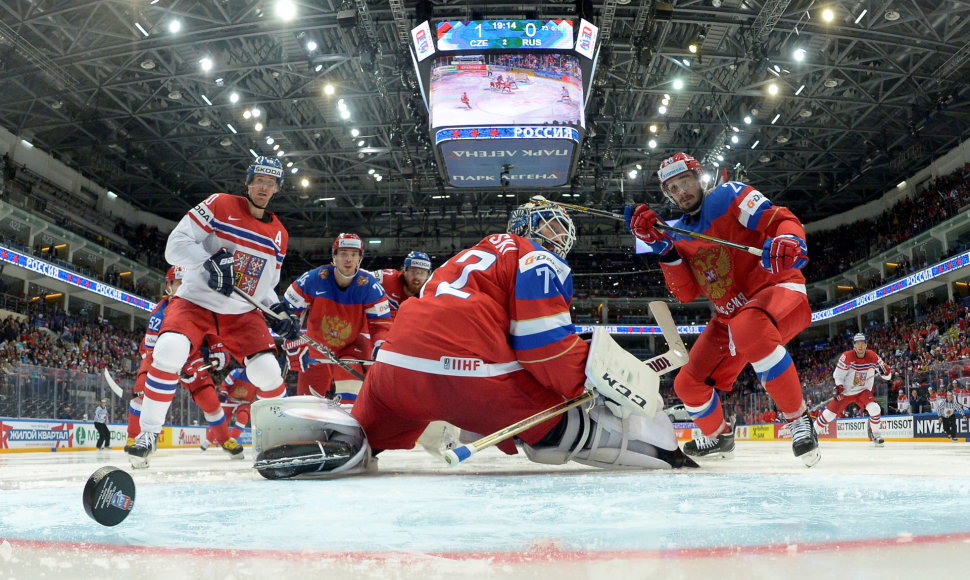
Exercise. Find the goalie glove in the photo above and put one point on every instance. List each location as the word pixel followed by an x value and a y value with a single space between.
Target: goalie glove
pixel 219 267
pixel 288 324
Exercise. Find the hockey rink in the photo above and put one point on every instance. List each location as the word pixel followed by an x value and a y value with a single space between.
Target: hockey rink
pixel 534 103
pixel 892 512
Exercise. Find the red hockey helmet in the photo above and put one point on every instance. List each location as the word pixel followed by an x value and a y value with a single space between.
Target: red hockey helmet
pixel 675 165
pixel 348 241
pixel 174 273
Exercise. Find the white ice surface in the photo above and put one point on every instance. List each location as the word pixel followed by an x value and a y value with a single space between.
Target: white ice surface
pixel 895 512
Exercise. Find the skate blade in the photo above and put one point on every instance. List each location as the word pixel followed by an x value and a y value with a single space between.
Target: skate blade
pixel 138 462
pixel 237 456
pixel 811 458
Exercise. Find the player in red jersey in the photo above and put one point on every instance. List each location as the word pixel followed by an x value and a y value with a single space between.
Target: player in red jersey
pixel 760 302
pixel 346 310
pixel 465 101
pixel 502 347
pixel 399 285
pixel 854 376
pixel 223 243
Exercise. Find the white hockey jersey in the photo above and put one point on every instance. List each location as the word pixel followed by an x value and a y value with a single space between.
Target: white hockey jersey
pixel 258 248
pixel 856 373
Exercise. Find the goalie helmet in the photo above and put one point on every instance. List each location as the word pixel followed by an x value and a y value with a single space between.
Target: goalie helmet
pixel 266 166
pixel 548 225
pixel 417 260
pixel 675 165
pixel 348 241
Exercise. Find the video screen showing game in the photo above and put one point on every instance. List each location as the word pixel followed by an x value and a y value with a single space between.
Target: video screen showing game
pixel 506 89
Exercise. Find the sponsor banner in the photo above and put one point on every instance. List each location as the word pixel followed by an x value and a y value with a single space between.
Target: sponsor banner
pixel 39 435
pixel 893 427
pixel 853 429
pixel 421 37
pixel 586 40
pixel 929 425
pixel 761 432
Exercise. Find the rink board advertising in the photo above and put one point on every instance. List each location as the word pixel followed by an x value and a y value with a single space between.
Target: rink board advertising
pixel 506 98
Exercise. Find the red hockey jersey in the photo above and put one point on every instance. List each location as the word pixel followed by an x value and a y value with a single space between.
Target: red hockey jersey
pixel 499 307
pixel 728 277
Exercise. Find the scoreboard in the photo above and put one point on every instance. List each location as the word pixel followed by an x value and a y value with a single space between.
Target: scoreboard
pixel 505 97
pixel 504 34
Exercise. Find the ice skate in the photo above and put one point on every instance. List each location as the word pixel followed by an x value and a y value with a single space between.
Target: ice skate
pixel 804 441
pixel 205 444
pixel 876 437
pixel 129 443
pixel 233 448
pixel 720 447
pixel 139 451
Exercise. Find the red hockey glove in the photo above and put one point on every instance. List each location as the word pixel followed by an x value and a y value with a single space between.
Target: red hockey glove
pixel 191 369
pixel 218 356
pixel 642 222
pixel 838 392
pixel 784 252
pixel 297 355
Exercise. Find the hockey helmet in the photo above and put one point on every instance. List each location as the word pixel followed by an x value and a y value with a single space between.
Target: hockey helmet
pixel 348 241
pixel 859 336
pixel 266 166
pixel 529 219
pixel 417 260
pixel 174 273
pixel 675 165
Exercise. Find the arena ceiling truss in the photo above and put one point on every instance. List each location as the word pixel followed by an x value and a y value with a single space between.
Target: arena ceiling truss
pixel 103 85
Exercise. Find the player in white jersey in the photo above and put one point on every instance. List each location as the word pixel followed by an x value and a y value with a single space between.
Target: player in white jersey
pixel 225 244
pixel 854 376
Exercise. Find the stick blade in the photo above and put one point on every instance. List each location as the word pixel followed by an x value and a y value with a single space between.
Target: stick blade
pixel 677 353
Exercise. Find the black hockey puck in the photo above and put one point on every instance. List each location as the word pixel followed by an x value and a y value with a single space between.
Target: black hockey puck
pixel 109 496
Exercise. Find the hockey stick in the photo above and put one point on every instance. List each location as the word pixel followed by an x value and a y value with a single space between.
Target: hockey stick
pixel 303 336
pixel 113 385
pixel 350 361
pixel 659 226
pixel 117 390
pixel 663 363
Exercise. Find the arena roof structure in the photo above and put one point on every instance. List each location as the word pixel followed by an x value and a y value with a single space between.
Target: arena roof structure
pixel 863 101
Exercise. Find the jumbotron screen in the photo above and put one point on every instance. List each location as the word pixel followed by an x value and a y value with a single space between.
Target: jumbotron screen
pixel 497 88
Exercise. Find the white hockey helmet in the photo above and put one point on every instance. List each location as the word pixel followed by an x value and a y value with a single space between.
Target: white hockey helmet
pixel 530 219
pixel 859 336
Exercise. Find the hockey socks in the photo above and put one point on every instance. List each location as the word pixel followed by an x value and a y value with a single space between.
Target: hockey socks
pixel 778 375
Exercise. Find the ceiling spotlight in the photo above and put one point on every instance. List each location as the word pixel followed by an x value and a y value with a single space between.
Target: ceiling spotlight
pixel 148 64
pixel 311 46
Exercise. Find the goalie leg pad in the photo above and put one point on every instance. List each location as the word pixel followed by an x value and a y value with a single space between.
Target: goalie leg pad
pixel 613 372
pixel 305 434
pixel 601 439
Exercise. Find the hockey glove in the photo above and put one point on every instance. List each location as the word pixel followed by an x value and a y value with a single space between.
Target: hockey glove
pixel 191 370
pixel 297 355
pixel 783 253
pixel 218 356
pixel 642 222
pixel 223 395
pixel 219 267
pixel 838 392
pixel 288 324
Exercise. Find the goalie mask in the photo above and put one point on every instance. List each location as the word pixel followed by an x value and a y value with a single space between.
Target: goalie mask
pixel 547 225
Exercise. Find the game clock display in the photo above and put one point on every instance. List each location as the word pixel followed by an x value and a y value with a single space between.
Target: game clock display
pixel 505 34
